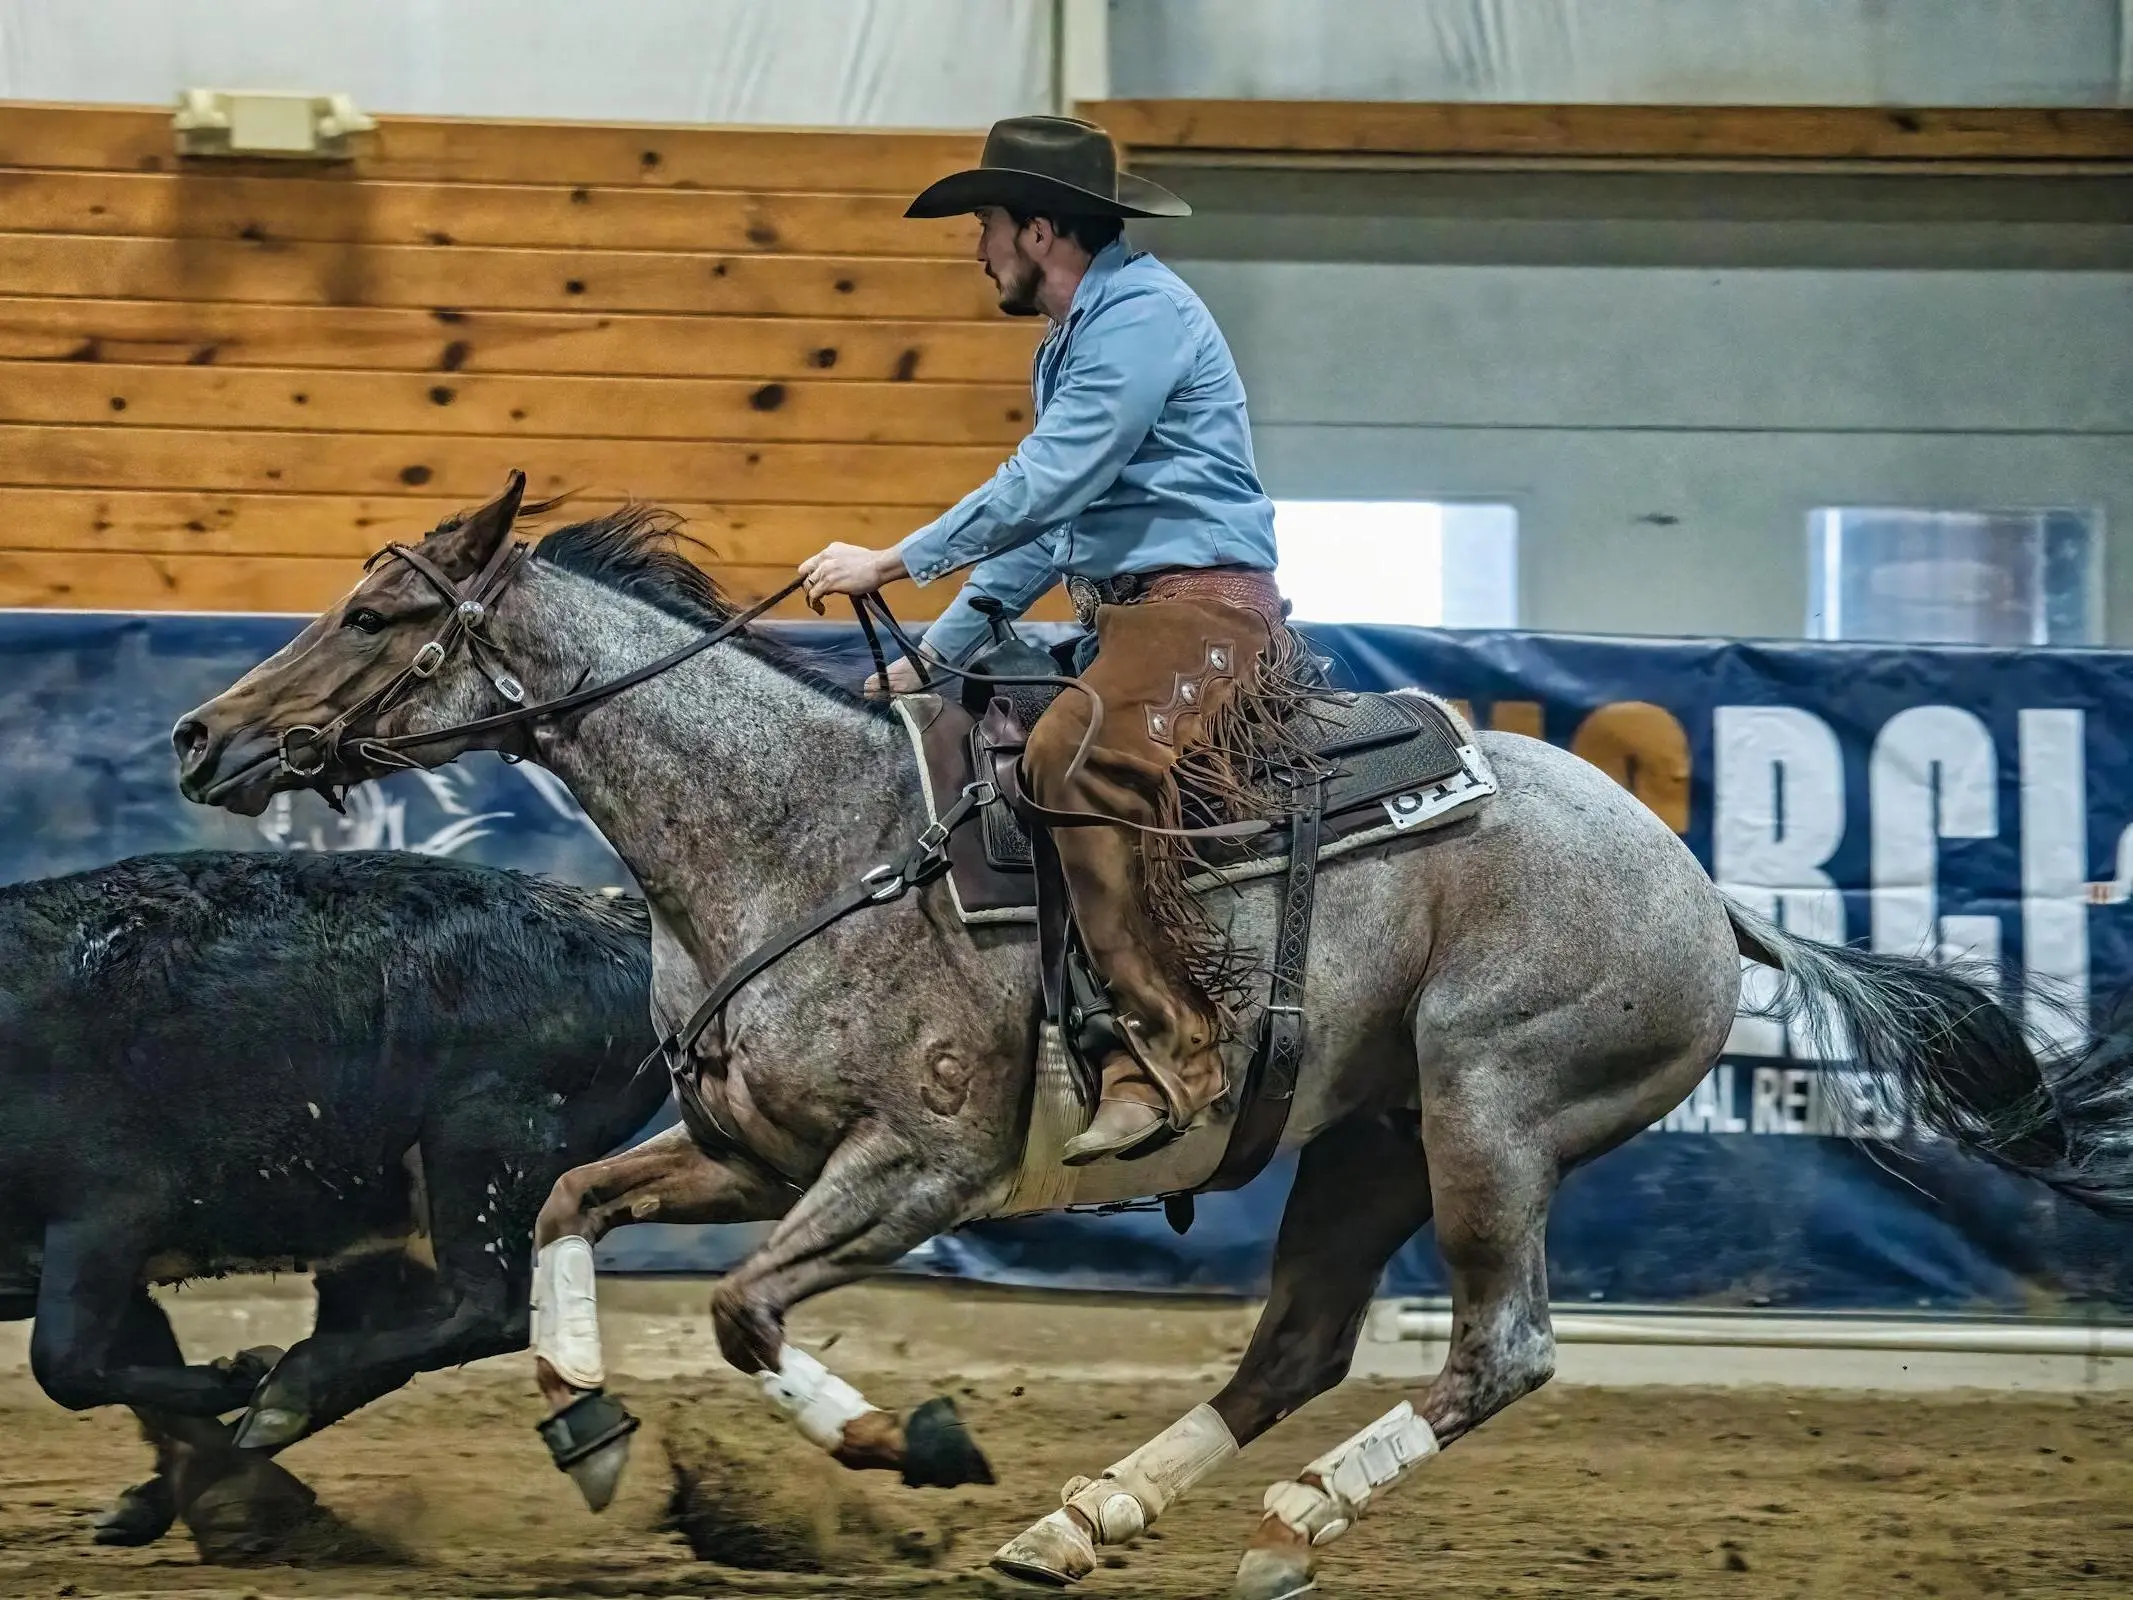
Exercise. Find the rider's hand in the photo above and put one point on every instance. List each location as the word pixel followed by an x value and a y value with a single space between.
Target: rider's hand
pixel 848 569
pixel 903 679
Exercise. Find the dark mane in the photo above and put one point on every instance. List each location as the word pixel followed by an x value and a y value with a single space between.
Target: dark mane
pixel 636 551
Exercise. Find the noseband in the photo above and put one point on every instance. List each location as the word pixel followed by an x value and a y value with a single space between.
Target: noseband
pixel 307 751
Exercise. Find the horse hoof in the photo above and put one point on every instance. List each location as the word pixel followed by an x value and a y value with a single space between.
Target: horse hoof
pixel 1052 1550
pixel 270 1427
pixel 1274 1574
pixel 938 1450
pixel 141 1515
pixel 598 1475
pixel 590 1440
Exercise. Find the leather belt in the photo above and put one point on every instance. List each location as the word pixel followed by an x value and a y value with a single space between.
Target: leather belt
pixel 1246 588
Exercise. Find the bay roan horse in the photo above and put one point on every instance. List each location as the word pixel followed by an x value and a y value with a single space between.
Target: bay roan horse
pixel 1490 1006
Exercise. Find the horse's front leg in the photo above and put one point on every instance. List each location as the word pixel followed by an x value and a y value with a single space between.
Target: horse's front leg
pixel 877 1197
pixel 668 1178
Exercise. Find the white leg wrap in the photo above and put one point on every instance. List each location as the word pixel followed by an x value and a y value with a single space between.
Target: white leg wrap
pixel 818 1401
pixel 1135 1491
pixel 566 1316
pixel 1119 1505
pixel 1336 1488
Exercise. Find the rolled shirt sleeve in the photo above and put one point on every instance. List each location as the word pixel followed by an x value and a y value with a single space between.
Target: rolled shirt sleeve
pixel 1015 578
pixel 1120 368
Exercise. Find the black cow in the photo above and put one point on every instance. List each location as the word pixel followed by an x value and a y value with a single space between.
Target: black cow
pixel 369 1066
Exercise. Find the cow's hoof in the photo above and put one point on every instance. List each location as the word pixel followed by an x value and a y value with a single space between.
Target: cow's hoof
pixel 250 1368
pixel 590 1440
pixel 276 1414
pixel 1052 1550
pixel 140 1515
pixel 247 1514
pixel 939 1452
pixel 270 1427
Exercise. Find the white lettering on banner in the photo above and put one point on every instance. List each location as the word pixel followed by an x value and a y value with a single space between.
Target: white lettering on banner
pixel 2055 892
pixel 1824 1102
pixel 1934 775
pixel 1709 1107
pixel 1780 1100
pixel 1777 817
pixel 1975 940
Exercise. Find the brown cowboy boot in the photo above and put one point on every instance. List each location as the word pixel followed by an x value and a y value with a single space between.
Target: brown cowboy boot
pixel 1155 1088
pixel 1130 1113
pixel 1148 1095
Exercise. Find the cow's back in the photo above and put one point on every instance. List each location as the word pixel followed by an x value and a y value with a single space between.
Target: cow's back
pixel 253 1040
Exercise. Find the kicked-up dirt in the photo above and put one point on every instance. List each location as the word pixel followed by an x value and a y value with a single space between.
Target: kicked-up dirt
pixel 1752 1494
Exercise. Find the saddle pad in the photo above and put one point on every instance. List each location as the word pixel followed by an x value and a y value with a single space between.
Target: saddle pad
pixel 1381 744
pixel 1402 762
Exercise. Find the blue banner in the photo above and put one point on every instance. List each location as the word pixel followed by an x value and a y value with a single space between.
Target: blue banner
pixel 1974 802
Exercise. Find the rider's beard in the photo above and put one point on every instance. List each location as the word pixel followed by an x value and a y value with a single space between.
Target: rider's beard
pixel 1018 289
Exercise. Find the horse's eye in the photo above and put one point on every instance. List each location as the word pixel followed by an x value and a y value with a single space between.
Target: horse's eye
pixel 364 620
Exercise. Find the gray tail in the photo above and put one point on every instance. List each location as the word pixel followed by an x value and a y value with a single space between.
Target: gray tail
pixel 1963 1063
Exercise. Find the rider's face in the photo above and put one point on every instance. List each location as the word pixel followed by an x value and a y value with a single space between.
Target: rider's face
pixel 1003 249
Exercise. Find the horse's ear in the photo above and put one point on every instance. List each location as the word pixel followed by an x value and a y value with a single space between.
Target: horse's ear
pixel 463 547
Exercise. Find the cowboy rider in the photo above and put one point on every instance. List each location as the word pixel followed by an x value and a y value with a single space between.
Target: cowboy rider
pixel 1136 484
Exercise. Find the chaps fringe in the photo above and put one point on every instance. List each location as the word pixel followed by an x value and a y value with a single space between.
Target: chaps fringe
pixel 1233 771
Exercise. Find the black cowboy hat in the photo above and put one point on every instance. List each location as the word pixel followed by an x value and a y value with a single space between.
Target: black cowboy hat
pixel 1048 165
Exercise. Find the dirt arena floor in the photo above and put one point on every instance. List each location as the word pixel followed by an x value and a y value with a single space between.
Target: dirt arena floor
pixel 443 1490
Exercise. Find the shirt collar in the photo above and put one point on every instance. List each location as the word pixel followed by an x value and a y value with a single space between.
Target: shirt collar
pixel 1103 267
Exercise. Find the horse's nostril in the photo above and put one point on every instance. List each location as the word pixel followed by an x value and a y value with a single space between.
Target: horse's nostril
pixel 189 739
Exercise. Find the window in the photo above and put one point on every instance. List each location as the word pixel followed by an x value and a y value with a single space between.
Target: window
pixel 1953 577
pixel 1426 563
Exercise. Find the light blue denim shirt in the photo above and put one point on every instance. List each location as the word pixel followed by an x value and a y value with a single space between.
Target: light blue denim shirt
pixel 1140 457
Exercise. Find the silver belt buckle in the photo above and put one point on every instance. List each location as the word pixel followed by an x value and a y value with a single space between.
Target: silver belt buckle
pixel 1087 595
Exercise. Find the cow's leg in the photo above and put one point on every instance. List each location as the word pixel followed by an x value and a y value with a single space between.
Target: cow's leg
pixel 877 1197
pixel 143 1513
pixel 478 1308
pixel 1361 1191
pixel 350 1359
pixel 668 1178
pixel 86 1306
pixel 1492 1181
pixel 237 1506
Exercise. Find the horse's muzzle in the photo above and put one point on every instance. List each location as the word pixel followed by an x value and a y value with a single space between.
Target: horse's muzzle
pixel 235 770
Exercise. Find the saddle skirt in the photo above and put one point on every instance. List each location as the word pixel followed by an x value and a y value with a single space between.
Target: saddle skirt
pixel 1400 764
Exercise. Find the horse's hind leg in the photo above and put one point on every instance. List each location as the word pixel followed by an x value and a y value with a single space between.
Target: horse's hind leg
pixel 1492 1182
pixel 1361 1191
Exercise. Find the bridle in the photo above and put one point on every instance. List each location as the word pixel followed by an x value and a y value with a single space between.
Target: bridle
pixel 308 751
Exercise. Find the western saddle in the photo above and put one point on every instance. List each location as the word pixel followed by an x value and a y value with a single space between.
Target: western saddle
pixel 1387 765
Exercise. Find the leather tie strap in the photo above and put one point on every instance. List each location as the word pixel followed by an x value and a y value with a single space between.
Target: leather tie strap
pixel 1270 1080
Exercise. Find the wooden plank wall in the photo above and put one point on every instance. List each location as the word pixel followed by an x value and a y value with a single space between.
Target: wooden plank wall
pixel 1993 137
pixel 222 384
